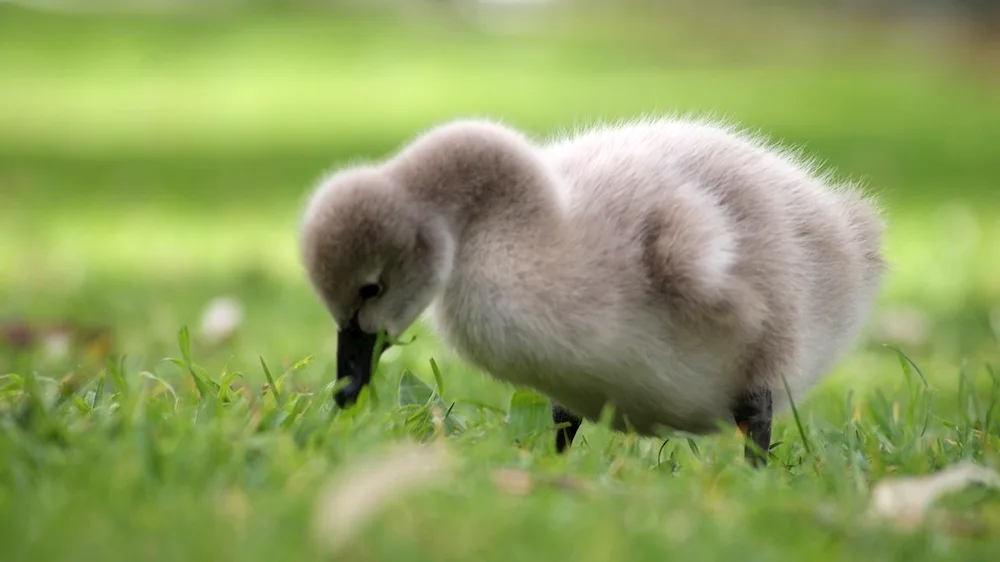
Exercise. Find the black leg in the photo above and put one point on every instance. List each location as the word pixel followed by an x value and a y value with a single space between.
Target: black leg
pixel 565 435
pixel 753 413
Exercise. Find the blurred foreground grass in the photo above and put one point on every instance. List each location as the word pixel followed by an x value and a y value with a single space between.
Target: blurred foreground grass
pixel 148 165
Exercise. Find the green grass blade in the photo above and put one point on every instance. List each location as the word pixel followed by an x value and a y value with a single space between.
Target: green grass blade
pixel 413 391
pixel 909 363
pixel 117 374
pixel 99 391
pixel 164 384
pixel 272 387
pixel 438 379
pixel 528 414
pixel 184 341
pixel 795 414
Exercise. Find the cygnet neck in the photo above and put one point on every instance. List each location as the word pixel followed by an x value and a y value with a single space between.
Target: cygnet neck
pixel 480 175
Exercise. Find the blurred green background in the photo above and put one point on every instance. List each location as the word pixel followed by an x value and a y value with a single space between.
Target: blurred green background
pixel 156 155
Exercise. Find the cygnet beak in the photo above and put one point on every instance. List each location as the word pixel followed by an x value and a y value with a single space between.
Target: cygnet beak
pixel 355 352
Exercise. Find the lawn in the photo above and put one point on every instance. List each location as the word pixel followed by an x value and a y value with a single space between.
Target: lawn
pixel 151 164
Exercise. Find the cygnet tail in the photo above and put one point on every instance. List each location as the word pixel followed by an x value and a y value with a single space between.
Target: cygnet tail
pixel 867 226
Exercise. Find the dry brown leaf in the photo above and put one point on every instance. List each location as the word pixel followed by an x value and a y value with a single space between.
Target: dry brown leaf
pixel 58 340
pixel 362 490
pixel 520 482
pixel 57 345
pixel 513 481
pixel 221 318
pixel 573 484
pixel 17 335
pixel 906 500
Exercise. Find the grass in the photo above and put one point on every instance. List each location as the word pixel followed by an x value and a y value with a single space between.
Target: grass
pixel 147 167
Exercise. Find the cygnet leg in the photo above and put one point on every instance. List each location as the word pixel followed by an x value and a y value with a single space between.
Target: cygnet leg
pixel 565 435
pixel 753 414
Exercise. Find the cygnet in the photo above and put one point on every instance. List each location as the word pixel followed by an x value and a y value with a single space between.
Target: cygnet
pixel 673 269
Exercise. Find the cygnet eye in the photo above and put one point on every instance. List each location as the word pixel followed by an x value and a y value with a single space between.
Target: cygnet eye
pixel 370 291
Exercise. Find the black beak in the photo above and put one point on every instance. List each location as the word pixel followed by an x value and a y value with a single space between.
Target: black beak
pixel 355 350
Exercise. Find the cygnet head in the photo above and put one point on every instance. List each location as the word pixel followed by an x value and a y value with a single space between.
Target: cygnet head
pixel 376 257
